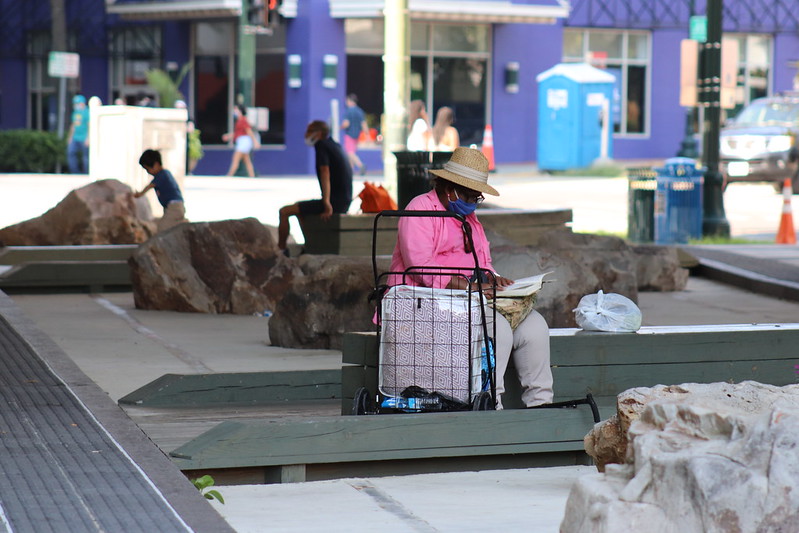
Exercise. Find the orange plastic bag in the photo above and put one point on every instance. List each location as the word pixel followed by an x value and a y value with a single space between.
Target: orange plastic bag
pixel 374 198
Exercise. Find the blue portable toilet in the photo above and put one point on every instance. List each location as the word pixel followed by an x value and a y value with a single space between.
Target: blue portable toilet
pixel 573 101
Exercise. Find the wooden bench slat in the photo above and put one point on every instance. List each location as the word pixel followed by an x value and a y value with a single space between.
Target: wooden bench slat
pixel 176 390
pixel 387 437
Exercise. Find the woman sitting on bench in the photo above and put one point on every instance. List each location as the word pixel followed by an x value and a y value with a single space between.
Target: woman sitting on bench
pixel 430 242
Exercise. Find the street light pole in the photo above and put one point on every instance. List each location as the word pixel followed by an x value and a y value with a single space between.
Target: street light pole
pixel 688 146
pixel 397 92
pixel 714 220
pixel 246 55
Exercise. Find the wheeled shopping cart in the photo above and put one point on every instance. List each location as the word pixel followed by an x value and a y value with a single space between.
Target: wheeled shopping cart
pixel 436 345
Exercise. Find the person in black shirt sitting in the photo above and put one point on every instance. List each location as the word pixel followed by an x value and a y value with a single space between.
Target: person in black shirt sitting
pixel 335 180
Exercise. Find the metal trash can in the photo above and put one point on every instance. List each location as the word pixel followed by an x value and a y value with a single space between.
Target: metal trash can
pixel 413 173
pixel 678 201
pixel 641 187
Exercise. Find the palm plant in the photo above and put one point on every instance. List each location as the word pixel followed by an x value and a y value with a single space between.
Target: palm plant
pixel 166 87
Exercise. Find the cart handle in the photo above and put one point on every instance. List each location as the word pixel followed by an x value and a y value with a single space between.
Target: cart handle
pixel 467 230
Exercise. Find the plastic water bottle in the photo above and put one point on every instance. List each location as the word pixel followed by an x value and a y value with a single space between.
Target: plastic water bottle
pixel 410 404
pixel 484 358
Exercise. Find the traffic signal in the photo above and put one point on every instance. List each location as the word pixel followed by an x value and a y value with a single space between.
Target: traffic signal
pixel 272 14
pixel 262 12
pixel 257 13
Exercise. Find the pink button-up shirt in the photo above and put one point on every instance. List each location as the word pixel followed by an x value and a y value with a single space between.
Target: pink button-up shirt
pixel 431 242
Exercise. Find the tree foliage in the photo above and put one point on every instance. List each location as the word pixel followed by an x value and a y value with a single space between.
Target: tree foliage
pixel 167 87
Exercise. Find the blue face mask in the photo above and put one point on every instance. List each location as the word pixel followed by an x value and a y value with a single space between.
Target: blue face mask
pixel 462 207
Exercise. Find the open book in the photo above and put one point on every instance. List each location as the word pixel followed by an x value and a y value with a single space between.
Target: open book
pixel 517 300
pixel 523 287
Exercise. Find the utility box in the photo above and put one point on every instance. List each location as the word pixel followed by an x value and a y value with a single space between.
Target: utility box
pixel 118 134
pixel 575 125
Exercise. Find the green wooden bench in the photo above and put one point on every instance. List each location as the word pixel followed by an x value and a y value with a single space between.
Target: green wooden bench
pixel 604 364
pixel 352 234
pixel 95 267
pixel 94 275
pixel 309 449
pixel 15 255
pixel 236 388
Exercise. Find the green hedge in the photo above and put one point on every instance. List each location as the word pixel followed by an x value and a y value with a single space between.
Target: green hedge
pixel 31 151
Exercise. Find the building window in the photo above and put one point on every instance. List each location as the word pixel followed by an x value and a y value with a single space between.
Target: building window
pixel 449 67
pixel 133 52
pixel 213 83
pixel 42 89
pixel 625 54
pixel 754 58
pixel 270 82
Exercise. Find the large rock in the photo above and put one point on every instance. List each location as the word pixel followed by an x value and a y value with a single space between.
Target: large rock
pixel 103 212
pixel 230 266
pixel 701 458
pixel 659 268
pixel 331 299
pixel 607 441
pixel 199 267
pixel 581 264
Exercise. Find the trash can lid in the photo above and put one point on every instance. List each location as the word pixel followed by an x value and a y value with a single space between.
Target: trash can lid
pixel 683 167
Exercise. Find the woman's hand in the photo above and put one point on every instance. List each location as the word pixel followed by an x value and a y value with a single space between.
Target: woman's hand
pixel 459 282
pixel 503 282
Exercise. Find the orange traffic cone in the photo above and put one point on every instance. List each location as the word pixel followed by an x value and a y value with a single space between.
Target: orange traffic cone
pixel 488 147
pixel 786 234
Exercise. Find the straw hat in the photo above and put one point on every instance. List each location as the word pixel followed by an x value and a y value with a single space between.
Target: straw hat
pixel 467 167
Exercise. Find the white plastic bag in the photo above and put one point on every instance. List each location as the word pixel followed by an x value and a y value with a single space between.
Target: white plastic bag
pixel 607 312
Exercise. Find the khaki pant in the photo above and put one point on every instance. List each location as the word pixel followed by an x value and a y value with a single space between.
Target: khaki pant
pixel 528 344
pixel 174 214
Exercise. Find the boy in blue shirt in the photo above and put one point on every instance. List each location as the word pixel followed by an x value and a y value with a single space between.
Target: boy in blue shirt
pixel 166 188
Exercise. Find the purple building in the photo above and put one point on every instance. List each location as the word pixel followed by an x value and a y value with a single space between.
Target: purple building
pixel 479 57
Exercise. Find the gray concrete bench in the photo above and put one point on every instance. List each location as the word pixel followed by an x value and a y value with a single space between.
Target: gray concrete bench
pixel 352 234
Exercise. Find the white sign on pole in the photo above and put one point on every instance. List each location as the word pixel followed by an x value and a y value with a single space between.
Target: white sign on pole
pixel 729 73
pixel 63 65
pixel 689 64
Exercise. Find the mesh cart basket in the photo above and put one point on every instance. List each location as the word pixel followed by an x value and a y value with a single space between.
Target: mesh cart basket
pixel 436 345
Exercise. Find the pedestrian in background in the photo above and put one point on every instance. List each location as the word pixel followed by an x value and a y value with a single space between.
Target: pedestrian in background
pixel 444 137
pixel 78 137
pixel 194 147
pixel 244 140
pixel 419 137
pixel 353 124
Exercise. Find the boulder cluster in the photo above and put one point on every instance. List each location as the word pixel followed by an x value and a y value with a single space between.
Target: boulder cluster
pixel 693 458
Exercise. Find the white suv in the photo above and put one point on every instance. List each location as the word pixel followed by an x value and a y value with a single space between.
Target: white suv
pixel 760 143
